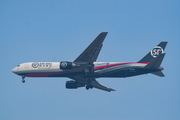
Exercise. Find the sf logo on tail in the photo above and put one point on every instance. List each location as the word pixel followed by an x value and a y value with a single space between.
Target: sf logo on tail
pixel 156 51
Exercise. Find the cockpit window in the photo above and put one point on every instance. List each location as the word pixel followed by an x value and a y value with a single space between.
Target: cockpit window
pixel 18 65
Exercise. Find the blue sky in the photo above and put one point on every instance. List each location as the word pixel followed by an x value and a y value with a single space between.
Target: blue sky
pixel 54 31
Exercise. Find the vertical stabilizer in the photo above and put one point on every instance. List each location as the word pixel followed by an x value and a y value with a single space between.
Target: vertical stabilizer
pixel 156 51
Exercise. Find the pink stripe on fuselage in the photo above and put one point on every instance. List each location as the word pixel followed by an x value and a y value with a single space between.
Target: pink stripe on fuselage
pixel 118 64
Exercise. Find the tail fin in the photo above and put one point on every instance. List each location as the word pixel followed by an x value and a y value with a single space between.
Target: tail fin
pixel 159 49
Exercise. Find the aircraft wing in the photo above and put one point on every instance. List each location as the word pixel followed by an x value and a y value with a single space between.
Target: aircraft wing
pixel 91 53
pixel 93 82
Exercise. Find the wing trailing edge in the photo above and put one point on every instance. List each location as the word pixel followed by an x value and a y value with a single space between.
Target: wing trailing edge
pixel 90 54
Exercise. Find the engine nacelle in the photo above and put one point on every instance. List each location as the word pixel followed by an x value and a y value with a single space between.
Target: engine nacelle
pixel 66 65
pixel 73 85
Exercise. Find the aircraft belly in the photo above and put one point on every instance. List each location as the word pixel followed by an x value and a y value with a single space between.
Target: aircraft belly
pixel 122 71
pixel 127 72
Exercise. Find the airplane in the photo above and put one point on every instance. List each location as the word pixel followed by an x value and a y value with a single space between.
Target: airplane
pixel 84 70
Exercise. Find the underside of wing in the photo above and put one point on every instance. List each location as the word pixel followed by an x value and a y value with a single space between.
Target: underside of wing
pixel 91 83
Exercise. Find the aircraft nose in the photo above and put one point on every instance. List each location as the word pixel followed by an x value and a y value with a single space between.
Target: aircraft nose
pixel 14 70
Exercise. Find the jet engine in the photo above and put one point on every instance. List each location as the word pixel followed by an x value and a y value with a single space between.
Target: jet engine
pixel 69 65
pixel 66 65
pixel 73 84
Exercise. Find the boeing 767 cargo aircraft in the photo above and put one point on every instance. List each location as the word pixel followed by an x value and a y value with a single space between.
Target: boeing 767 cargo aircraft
pixel 84 70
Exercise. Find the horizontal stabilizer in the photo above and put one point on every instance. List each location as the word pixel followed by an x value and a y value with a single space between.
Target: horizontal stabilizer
pixel 156 62
pixel 159 73
pixel 97 85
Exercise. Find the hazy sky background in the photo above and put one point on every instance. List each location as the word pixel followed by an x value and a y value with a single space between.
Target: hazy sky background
pixel 58 30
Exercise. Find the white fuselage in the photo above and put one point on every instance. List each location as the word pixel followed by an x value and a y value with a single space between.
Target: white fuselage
pixel 45 69
pixel 30 67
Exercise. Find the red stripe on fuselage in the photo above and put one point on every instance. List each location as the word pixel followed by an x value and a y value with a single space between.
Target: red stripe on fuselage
pixel 118 64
